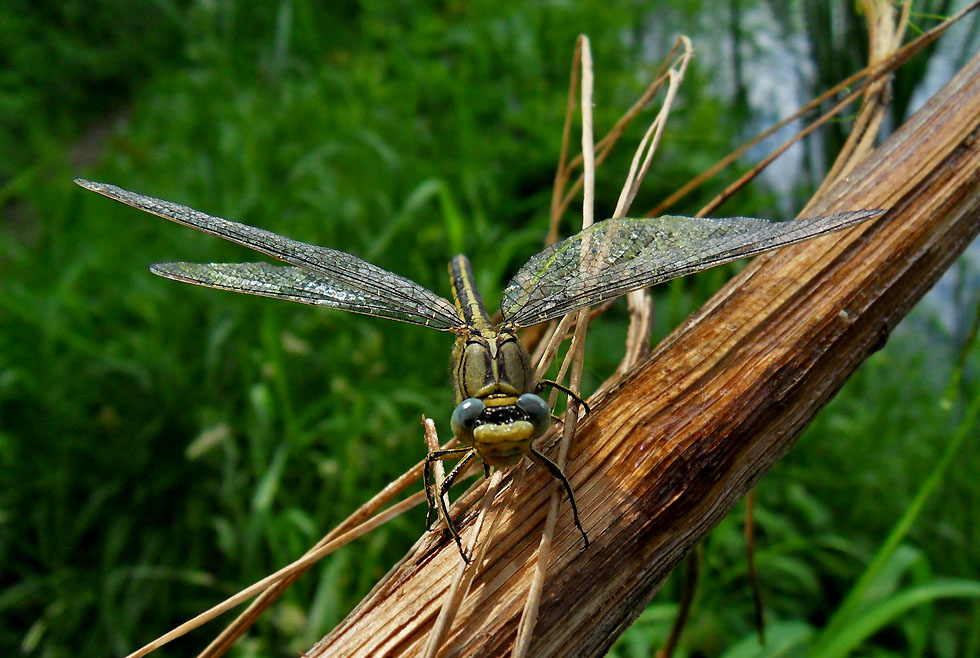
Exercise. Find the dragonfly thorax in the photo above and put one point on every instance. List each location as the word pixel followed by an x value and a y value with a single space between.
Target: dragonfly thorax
pixel 490 363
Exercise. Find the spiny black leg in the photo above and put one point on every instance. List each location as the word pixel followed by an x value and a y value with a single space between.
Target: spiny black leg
pixel 444 495
pixel 572 394
pixel 427 479
pixel 552 467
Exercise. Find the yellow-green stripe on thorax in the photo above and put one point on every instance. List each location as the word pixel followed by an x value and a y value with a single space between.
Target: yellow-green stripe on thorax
pixel 488 363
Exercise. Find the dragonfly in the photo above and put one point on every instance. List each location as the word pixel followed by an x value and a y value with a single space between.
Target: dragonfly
pixel 499 410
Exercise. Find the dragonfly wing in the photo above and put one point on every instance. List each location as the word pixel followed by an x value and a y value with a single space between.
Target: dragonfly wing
pixel 292 283
pixel 336 270
pixel 617 256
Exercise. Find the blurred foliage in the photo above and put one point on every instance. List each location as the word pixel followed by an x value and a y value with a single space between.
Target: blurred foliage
pixel 162 446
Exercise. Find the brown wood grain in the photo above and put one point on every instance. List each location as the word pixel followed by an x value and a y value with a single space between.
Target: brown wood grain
pixel 667 454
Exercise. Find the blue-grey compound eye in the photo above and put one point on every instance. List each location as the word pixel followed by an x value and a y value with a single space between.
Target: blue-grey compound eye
pixel 465 415
pixel 537 410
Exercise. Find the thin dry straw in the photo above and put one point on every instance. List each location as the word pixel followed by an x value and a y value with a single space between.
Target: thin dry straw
pixel 870 74
pixel 640 304
pixel 464 572
pixel 299 565
pixel 220 645
pixel 529 615
pixel 651 139
pixel 604 146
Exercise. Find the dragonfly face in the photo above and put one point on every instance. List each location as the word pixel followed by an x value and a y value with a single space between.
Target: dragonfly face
pixel 498 411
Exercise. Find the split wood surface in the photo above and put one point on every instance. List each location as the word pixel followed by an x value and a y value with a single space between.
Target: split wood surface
pixel 664 456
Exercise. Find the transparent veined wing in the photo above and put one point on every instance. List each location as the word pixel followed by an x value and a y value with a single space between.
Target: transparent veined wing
pixel 617 256
pixel 320 275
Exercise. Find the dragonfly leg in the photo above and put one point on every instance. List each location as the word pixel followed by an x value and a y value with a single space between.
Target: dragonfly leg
pixel 572 394
pixel 467 455
pixel 444 501
pixel 552 467
pixel 428 481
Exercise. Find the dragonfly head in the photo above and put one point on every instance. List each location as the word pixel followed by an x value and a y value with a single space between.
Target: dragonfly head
pixel 501 428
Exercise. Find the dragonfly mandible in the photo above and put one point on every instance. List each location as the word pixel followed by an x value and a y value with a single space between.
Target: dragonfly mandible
pixel 499 410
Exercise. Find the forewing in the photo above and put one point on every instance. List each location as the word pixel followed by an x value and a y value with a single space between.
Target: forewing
pixel 345 280
pixel 617 256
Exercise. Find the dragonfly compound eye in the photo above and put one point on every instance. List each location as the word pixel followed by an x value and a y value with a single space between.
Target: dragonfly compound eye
pixel 537 411
pixel 464 417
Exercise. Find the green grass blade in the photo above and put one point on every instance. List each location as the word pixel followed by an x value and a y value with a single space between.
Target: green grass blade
pixel 850 636
pixel 783 638
pixel 859 594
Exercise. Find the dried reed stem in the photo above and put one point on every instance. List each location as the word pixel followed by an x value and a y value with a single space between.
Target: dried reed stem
pixel 666 455
pixel 577 353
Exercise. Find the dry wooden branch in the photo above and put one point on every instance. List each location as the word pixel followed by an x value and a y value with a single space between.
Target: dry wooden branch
pixel 664 456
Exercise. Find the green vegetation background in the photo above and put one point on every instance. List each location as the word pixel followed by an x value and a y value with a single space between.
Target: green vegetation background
pixel 162 446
